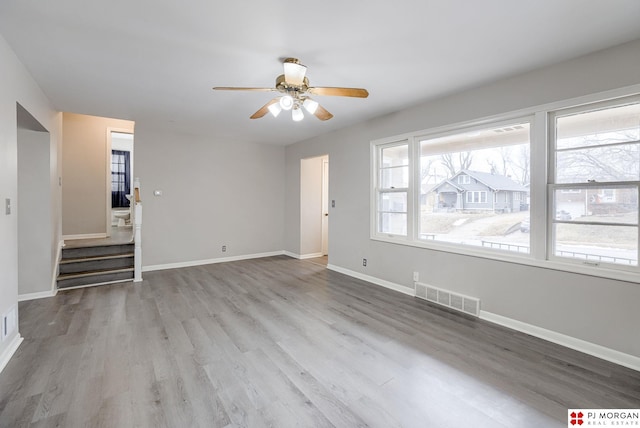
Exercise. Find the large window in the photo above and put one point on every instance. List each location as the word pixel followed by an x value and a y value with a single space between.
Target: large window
pixel 594 185
pixel 470 187
pixel 559 188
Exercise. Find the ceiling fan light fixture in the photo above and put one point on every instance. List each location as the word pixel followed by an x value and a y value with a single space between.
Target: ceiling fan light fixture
pixel 275 109
pixel 286 102
pixel 310 105
pixel 294 93
pixel 297 114
pixel 294 72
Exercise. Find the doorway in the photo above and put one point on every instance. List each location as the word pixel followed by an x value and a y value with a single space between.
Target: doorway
pixel 314 207
pixel 120 182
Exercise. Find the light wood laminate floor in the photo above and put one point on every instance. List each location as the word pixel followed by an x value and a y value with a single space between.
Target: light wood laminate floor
pixel 281 342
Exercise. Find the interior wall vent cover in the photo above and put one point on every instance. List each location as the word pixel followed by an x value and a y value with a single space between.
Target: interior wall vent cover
pixel 459 302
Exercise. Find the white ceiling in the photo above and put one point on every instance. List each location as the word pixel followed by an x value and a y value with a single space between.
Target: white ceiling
pixel 155 61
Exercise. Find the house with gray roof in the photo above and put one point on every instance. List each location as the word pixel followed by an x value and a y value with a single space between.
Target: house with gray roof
pixel 479 191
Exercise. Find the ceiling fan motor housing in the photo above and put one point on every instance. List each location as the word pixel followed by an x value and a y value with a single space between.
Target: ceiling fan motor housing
pixel 294 90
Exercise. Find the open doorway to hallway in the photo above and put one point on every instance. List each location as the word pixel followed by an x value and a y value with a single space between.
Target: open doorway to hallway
pixel 86 174
pixel 314 208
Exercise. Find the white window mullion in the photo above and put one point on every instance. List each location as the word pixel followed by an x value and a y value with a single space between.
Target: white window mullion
pixel 413 217
pixel 538 188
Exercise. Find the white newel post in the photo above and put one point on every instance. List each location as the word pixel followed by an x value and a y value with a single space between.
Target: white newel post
pixel 137 233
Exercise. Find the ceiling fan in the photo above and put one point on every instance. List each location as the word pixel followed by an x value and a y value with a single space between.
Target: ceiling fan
pixel 296 93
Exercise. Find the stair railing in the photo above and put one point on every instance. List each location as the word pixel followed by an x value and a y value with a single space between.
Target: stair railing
pixel 137 231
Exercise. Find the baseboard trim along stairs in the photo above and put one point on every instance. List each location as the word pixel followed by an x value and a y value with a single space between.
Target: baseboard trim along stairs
pixel 94 265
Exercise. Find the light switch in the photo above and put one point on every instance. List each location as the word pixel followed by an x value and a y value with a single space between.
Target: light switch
pixel 7 206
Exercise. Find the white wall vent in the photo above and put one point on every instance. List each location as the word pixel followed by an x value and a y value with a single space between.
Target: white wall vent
pixel 459 302
pixel 8 323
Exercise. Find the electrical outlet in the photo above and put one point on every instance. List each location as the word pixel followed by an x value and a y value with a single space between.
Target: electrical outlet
pixel 364 262
pixel 416 276
pixel 333 203
pixel 224 248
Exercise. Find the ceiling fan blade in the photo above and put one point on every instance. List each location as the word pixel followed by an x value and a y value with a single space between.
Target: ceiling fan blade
pixel 294 72
pixel 340 92
pixel 322 113
pixel 264 109
pixel 232 88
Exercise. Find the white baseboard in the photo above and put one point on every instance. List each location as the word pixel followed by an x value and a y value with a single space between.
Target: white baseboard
pixel 302 256
pixel 310 256
pixel 38 295
pixel 210 261
pixel 599 351
pixel 11 349
pixel 381 282
pixel 85 236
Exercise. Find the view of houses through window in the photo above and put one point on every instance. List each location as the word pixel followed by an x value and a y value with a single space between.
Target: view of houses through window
pixel 471 188
pixel 597 170
pixel 474 187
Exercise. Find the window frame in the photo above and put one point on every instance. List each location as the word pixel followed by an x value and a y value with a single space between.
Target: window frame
pixel 565 187
pixel 539 200
pixel 378 191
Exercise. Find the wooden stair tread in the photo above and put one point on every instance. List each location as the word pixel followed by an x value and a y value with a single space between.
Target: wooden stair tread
pixel 95 258
pixel 93 273
pixel 75 246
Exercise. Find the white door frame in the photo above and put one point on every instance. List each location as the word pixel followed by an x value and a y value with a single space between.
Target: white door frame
pixel 325 206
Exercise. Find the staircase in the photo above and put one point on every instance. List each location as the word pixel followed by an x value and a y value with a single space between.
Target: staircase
pixel 97 264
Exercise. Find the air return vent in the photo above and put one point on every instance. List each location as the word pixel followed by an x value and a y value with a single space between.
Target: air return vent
pixel 459 302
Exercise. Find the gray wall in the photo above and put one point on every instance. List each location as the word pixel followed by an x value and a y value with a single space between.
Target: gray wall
pixel 17 86
pixel 214 193
pixel 34 212
pixel 596 310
